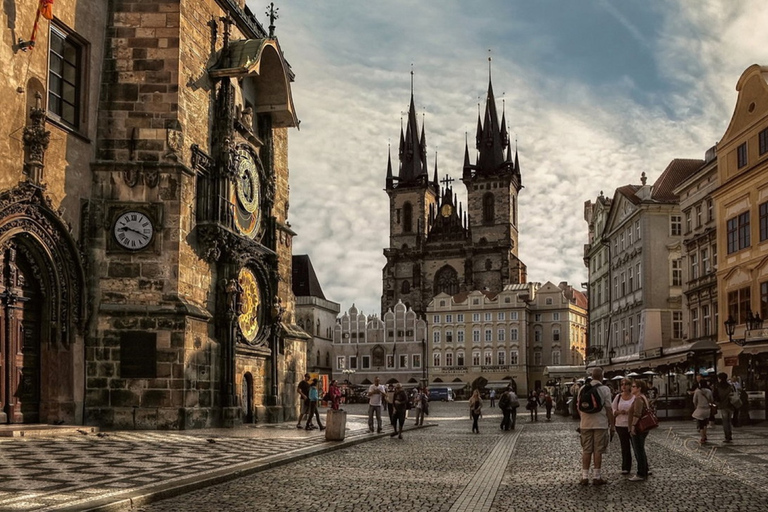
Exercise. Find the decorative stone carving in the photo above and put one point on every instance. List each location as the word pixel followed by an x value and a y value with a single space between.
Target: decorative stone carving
pixel 36 139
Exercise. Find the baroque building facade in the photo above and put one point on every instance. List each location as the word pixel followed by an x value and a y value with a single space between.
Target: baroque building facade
pixel 144 241
pixel 435 246
pixel 483 339
pixel 636 274
pixel 741 213
pixel 392 347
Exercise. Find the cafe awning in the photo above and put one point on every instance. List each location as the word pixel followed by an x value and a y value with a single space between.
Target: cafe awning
pixel 755 348
pixel 682 353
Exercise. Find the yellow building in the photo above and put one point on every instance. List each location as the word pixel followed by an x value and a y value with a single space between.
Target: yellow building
pixel 741 205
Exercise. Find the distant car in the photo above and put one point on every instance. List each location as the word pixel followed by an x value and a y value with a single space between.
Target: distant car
pixel 440 394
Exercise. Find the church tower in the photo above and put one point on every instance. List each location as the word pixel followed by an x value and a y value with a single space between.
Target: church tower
pixel 412 200
pixel 493 184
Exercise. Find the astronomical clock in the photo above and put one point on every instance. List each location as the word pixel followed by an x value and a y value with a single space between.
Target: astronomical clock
pixel 247 195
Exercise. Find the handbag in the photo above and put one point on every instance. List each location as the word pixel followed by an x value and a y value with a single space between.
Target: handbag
pixel 712 410
pixel 735 400
pixel 648 421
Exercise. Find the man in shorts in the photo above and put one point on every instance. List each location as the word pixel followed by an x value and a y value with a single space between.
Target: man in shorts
pixel 596 431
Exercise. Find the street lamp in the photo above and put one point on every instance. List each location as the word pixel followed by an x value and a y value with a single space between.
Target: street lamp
pixel 730 328
pixel 348 372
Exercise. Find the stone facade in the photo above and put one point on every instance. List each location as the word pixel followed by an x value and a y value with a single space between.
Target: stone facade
pixel 164 189
pixel 434 244
pixel 491 340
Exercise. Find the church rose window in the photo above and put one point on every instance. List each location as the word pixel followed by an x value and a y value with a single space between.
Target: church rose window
pixel 447 280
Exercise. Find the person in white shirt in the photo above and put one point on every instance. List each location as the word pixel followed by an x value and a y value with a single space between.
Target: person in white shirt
pixel 376 394
pixel 594 429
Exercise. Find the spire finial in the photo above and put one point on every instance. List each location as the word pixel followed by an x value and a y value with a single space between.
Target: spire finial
pixel 643 179
pixel 411 78
pixel 489 64
pixel 272 14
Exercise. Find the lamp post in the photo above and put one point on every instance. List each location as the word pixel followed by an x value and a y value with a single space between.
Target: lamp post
pixel 753 323
pixel 347 372
pixel 424 377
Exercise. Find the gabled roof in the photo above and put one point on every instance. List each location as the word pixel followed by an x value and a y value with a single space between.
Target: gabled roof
pixel 463 296
pixel 676 172
pixel 305 282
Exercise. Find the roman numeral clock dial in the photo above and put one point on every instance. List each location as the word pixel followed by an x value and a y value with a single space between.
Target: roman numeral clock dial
pixel 133 230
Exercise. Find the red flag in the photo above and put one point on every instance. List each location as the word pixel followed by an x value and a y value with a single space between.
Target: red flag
pixel 46 9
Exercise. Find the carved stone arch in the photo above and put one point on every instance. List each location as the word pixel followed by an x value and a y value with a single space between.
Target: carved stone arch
pixel 42 303
pixel 28 222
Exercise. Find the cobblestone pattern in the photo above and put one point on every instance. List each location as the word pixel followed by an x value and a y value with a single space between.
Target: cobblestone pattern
pixel 544 473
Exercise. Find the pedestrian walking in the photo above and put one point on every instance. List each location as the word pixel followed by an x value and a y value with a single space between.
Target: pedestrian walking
pixel 548 403
pixel 303 390
pixel 376 394
pixel 621 405
pixel 702 398
pixel 639 406
pixel 400 405
pixel 533 406
pixel 475 410
pixel 724 393
pixel 492 397
pixel 596 420
pixel 313 399
pixel 505 406
pixel 389 398
pixel 419 402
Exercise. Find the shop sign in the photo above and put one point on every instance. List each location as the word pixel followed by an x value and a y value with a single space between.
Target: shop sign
pixel 732 361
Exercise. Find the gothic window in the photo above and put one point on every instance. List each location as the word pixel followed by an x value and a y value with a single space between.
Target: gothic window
pixel 328 359
pixel 488 264
pixel 447 280
pixel 317 361
pixel 514 211
pixel 407 218
pixel 318 328
pixel 417 275
pixel 406 287
pixel 488 208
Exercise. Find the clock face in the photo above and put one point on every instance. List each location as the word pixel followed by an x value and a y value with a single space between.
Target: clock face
pixel 446 210
pixel 247 183
pixel 133 230
pixel 249 317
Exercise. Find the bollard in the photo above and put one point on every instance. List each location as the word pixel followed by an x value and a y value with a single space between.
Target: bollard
pixel 335 425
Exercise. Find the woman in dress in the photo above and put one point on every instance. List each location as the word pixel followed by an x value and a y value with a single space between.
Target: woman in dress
pixel 399 407
pixel 702 397
pixel 639 406
pixel 475 409
pixel 621 405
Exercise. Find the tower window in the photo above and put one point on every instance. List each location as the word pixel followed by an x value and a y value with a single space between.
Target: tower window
pixel 447 280
pixel 488 208
pixel 407 218
pixel 66 68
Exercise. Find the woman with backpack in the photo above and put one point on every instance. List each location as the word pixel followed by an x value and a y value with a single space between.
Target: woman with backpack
pixel 475 410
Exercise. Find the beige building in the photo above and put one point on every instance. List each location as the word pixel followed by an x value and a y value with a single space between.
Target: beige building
pixel 741 210
pixel 484 339
pixel 643 237
pixel 144 237
pixel 699 261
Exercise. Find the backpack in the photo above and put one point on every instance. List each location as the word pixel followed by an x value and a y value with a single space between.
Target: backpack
pixel 590 401
pixel 505 402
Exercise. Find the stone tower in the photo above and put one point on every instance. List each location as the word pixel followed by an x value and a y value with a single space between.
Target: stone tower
pixel 434 245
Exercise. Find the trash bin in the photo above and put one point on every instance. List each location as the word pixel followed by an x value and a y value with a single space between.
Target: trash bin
pixel 335 424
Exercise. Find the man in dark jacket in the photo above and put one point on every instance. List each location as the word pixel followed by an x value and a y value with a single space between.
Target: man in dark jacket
pixel 723 393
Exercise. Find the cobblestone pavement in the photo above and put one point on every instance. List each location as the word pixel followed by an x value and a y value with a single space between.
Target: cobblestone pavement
pixel 447 468
pixel 442 468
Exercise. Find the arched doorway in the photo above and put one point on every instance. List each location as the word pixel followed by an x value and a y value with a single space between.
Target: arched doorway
pixel 247 400
pixel 42 307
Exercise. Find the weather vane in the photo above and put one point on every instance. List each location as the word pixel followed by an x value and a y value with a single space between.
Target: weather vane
pixel 272 14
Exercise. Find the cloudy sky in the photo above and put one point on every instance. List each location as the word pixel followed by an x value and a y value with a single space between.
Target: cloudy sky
pixel 596 91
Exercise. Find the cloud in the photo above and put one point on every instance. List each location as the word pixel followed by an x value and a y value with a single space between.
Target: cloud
pixel 592 109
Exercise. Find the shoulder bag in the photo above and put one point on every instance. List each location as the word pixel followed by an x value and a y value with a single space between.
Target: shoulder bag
pixel 648 420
